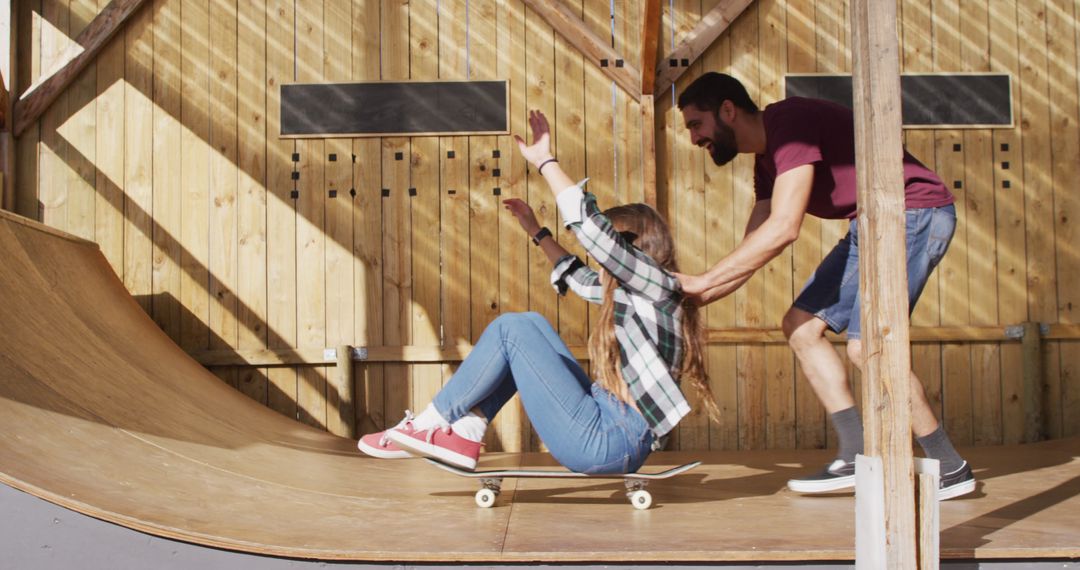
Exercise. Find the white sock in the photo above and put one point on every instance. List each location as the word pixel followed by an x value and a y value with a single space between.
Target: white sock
pixel 430 418
pixel 471 427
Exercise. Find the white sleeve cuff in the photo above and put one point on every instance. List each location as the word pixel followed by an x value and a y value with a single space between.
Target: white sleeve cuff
pixel 569 201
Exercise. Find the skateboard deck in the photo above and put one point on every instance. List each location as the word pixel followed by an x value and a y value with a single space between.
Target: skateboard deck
pixel 491 480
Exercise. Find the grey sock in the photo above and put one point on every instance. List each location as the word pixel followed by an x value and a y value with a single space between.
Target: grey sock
pixel 848 426
pixel 937 446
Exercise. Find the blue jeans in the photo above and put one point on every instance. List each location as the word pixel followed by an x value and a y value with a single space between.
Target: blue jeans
pixel 832 292
pixel 585 427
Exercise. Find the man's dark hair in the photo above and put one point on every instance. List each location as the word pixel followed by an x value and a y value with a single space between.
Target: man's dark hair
pixel 710 91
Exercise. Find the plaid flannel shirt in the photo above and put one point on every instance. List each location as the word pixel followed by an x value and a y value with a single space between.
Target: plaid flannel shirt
pixel 648 308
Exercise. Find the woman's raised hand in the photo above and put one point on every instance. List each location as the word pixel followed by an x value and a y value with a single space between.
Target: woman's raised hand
pixel 540 149
pixel 524 214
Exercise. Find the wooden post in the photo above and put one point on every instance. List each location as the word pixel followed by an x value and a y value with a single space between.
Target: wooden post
pixel 882 275
pixel 928 472
pixel 347 391
pixel 1031 344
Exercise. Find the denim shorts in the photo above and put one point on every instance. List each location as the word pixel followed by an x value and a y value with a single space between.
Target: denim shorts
pixel 832 292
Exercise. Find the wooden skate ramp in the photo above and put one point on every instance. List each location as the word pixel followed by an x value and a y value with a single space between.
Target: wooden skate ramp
pixel 101 413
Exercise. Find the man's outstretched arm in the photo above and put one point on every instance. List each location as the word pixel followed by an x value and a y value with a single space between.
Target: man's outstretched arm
pixel 773 225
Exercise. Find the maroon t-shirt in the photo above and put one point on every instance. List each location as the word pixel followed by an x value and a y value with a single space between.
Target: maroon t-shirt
pixel 802 131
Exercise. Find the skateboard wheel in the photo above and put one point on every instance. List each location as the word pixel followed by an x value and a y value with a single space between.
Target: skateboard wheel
pixel 640 499
pixel 485 498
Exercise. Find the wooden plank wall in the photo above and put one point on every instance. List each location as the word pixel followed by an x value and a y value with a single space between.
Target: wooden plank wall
pixel 165 151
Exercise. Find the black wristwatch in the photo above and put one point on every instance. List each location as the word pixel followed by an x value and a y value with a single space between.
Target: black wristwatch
pixel 543 233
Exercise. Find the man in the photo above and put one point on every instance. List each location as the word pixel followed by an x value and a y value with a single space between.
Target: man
pixel 805 164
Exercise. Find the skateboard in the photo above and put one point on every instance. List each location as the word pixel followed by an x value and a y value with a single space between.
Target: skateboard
pixel 491 481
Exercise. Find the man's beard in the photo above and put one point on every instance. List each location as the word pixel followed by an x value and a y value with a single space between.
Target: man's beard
pixel 724 149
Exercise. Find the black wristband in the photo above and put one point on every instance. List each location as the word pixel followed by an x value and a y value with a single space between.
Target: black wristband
pixel 540 169
pixel 543 233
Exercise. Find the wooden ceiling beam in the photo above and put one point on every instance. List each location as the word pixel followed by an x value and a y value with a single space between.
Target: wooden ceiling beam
pixel 572 29
pixel 90 42
pixel 700 38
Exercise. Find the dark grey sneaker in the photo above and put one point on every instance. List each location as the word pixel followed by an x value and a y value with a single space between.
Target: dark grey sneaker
pixel 959 482
pixel 837 475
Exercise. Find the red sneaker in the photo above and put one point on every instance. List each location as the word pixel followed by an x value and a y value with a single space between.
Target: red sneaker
pixel 379 445
pixel 439 443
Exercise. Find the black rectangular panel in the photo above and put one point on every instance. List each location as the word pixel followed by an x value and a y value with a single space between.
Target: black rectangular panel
pixel 384 108
pixel 937 100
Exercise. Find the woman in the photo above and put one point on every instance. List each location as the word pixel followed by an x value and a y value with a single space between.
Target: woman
pixel 647 339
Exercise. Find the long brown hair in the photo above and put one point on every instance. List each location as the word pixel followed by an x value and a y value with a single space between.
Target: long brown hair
pixel 646 229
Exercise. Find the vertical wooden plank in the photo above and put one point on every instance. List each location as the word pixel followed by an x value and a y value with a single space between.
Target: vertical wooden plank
pixel 749 300
pixel 195 164
pixel 109 222
pixel 138 156
pixel 78 128
pixel 485 204
pixel 455 192
pixel 591 144
pixel 1039 193
pixel 338 204
pixel 917 56
pixel 486 173
pixel 28 53
pixel 540 71
pixel 53 171
pixel 168 194
pixel 454 43
pixel 397 260
pixel 1061 37
pixel 223 179
pixel 724 227
pixel 688 219
pixel 949 149
pixel 251 192
pixel 832 57
pixel 280 208
pixel 424 175
pixel 540 81
pixel 311 223
pixel 567 129
pixel 780 362
pixel 512 427
pixel 1009 217
pixel 982 264
pixel 631 149
pixel 810 426
pixel 368 226
pixel 115 61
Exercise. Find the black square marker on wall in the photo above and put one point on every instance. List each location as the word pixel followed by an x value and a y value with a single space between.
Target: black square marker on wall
pixel 392 108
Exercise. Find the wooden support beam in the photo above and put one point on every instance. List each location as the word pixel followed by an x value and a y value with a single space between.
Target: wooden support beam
pixel 596 51
pixel 700 38
pixel 882 274
pixel 86 47
pixel 650 35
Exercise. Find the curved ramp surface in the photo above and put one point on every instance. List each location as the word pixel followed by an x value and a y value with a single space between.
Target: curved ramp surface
pixel 103 414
